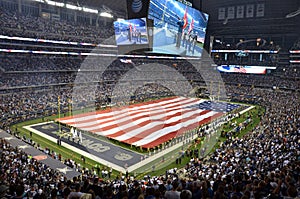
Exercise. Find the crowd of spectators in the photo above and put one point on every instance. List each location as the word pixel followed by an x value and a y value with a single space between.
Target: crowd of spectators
pixel 268 157
pixel 262 80
pixel 61 69
pixel 22 176
pixel 262 164
pixel 27 63
pixel 289 71
pixel 13 24
pixel 36 79
pixel 235 170
pixel 20 106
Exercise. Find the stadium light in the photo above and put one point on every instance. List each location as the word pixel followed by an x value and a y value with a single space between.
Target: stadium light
pixel 54 3
pixel 85 9
pixel 72 7
pixel 106 14
pixel 69 6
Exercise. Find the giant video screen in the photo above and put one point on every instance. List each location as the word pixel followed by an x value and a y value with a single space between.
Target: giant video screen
pixel 177 28
pixel 244 69
pixel 131 32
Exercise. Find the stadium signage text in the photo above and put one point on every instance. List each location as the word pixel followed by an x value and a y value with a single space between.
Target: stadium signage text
pixel 98 147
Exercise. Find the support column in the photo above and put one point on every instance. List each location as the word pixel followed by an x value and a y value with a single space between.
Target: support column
pixel 58 12
pixel 19 7
pixel 75 17
pixel 40 9
pixel 105 21
pixel 97 21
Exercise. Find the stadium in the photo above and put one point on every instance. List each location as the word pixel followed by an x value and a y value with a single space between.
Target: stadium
pixel 166 99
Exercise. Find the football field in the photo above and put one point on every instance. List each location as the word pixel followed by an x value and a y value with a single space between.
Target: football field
pixel 169 123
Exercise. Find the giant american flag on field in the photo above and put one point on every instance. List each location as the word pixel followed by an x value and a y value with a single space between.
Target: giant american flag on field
pixel 150 123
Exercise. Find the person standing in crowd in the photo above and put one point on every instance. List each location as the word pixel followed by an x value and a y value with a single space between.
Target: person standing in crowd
pixel 180 24
pixel 129 33
pixel 184 39
pixel 194 41
pixel 174 193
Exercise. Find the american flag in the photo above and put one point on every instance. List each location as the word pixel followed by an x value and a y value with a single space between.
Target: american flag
pixel 185 18
pixel 191 26
pixel 240 70
pixel 148 124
